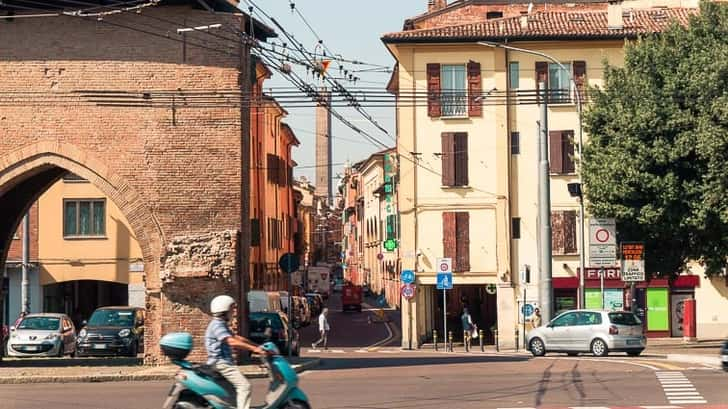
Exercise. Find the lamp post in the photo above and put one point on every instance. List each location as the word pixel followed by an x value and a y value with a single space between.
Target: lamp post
pixel 582 253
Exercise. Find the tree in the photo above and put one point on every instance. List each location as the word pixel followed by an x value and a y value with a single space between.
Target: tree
pixel 657 156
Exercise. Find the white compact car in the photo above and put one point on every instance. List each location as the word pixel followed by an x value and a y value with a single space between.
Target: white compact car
pixel 42 335
pixel 598 332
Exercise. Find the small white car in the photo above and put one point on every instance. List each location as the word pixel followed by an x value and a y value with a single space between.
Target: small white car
pixel 598 332
pixel 43 335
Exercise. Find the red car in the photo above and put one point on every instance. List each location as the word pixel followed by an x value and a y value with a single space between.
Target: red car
pixel 351 296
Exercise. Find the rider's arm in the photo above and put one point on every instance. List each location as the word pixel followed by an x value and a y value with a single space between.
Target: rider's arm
pixel 239 342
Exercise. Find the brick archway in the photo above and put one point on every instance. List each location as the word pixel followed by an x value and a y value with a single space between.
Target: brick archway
pixel 27 172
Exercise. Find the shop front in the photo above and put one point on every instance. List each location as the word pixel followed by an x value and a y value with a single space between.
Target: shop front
pixel 659 302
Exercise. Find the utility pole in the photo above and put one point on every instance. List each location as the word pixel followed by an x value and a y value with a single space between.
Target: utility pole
pixel 25 285
pixel 544 207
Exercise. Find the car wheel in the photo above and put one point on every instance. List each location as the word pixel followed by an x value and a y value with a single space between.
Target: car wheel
pixel 537 347
pixel 634 353
pixel 134 350
pixel 599 348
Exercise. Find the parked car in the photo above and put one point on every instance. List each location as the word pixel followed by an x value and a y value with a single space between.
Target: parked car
pixel 598 332
pixel 262 301
pixel 724 356
pixel 112 331
pixel 273 327
pixel 43 335
pixel 351 297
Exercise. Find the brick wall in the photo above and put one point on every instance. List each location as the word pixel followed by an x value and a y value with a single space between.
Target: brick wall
pixel 172 165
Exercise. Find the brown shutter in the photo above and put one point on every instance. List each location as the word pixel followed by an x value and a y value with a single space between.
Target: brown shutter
pixel 570 232
pixel 461 158
pixel 542 75
pixel 567 146
pixel 555 152
pixel 448 236
pixel 434 109
pixel 557 232
pixel 580 78
pixel 475 90
pixel 448 159
pixel 272 165
pixel 462 222
pixel 282 170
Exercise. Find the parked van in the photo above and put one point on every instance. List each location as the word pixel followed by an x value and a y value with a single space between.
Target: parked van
pixel 264 301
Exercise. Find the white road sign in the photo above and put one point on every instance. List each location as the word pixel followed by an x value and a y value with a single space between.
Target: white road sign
pixel 633 262
pixel 602 242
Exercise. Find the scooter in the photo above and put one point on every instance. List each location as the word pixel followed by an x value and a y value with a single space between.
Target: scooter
pixel 202 387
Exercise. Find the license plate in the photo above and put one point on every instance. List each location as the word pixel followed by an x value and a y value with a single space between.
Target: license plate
pixel 31 348
pixel 725 358
pixel 99 346
pixel 633 342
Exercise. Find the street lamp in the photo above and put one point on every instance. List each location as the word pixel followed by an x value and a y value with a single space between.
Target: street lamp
pixel 579 111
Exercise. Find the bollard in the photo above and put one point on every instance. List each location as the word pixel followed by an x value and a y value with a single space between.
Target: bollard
pixel 480 335
pixel 465 341
pixel 495 336
pixel 434 336
pixel 449 336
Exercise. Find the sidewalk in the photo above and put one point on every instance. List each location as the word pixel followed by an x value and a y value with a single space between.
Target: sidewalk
pixel 50 371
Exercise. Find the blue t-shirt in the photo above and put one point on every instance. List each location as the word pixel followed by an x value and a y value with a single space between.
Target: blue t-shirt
pixel 217 348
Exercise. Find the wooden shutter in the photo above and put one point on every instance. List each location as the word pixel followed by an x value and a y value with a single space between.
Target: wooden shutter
pixel 272 165
pixel 254 232
pixel 579 68
pixel 449 248
pixel 461 159
pixel 542 75
pixel 556 158
pixel 557 232
pixel 282 172
pixel 434 108
pixel 570 232
pixel 567 149
pixel 462 244
pixel 475 90
pixel 447 155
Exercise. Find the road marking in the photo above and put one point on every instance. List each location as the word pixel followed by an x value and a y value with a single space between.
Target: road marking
pixel 678 389
pixel 588 407
pixel 660 407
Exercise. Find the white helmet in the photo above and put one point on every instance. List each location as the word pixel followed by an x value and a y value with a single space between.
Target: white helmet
pixel 221 303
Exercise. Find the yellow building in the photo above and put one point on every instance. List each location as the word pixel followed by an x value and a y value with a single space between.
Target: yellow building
pixel 88 256
pixel 467 141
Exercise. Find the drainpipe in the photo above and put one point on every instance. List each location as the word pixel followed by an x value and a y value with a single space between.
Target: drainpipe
pixel 24 292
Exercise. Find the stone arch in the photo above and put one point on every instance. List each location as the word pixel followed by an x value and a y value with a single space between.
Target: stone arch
pixel 27 172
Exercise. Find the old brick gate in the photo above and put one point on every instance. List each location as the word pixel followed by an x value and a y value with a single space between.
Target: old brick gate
pixel 152 118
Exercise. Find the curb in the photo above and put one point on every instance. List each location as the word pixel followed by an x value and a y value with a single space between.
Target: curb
pixel 696 359
pixel 8 380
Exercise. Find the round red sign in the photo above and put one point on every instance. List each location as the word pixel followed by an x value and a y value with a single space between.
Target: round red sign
pixel 407 291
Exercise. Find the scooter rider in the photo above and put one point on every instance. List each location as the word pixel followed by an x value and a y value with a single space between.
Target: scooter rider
pixel 220 341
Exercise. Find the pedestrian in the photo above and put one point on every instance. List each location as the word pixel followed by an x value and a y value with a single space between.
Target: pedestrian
pixel 20 319
pixel 323 329
pixel 219 342
pixel 467 322
pixel 536 319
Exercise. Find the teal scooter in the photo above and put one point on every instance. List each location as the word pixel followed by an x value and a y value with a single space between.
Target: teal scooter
pixel 201 387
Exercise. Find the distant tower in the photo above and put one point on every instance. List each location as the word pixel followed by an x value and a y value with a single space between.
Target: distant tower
pixel 324 149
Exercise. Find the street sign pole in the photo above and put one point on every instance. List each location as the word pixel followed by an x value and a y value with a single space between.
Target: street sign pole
pixel 601 284
pixel 524 318
pixel 444 316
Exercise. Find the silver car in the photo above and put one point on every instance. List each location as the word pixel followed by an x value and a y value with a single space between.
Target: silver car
pixel 598 332
pixel 43 335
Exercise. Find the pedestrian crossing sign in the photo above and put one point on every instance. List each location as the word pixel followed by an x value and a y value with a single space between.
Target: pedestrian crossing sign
pixel 444 281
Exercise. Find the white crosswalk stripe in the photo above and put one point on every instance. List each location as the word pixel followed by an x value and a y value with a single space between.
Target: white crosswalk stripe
pixel 678 389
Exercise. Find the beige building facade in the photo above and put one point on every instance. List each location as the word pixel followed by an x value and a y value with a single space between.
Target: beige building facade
pixel 467 145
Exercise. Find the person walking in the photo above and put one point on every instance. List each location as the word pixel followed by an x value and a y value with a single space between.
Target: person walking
pixel 467 322
pixel 324 328
pixel 536 320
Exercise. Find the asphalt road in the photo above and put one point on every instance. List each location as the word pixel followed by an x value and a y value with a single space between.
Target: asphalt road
pixel 424 380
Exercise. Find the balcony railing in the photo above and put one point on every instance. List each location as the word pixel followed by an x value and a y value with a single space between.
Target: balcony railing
pixel 454 103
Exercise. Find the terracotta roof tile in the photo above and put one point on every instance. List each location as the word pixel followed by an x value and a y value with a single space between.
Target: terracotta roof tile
pixel 551 25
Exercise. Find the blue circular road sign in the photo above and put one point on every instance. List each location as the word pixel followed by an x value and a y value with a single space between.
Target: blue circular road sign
pixel 407 277
pixel 527 310
pixel 289 263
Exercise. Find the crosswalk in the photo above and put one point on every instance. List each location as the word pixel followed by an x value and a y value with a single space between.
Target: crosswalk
pixel 678 388
pixel 358 351
pixel 610 407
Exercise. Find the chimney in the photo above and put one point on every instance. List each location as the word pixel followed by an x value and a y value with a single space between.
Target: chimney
pixel 615 20
pixel 434 5
pixel 524 21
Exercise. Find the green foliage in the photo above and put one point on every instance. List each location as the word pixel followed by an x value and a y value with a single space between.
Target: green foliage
pixel 657 155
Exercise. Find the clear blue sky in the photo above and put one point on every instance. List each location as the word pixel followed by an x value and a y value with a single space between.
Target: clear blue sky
pixel 353 29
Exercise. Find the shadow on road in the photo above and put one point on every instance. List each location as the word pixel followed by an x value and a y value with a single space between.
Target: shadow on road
pixel 328 363
pixel 68 362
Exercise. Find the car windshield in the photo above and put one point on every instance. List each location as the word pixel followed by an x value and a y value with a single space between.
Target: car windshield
pixel 112 318
pixel 40 323
pixel 624 318
pixel 259 322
